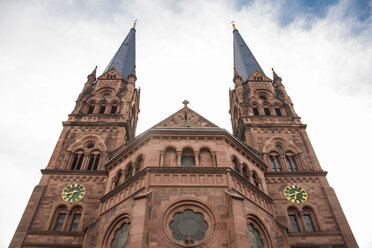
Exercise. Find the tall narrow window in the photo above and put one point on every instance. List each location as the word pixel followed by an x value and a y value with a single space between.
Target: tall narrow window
pixel 255 179
pixel 309 223
pixel 275 163
pixel 74 161
pixel 255 111
pixel 236 165
pixel 113 109
pixel 91 109
pixel 129 171
pixel 77 160
pixel 59 222
pixel 91 161
pixel 78 166
pixel 96 161
pixel 267 111
pixel 117 179
pixel 294 224
pixel 277 111
pixel 75 222
pixel 291 163
pixel 102 109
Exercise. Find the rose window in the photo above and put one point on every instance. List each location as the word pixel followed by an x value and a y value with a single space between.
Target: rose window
pixel 188 226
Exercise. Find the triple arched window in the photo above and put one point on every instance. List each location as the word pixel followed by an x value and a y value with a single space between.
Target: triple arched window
pixel 130 170
pixel 188 157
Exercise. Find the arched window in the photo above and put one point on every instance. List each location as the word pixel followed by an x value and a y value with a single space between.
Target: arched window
pixel 291 162
pixel 188 158
pixel 139 164
pixel 245 171
pixel 277 111
pixel 309 219
pixel 170 157
pixel 258 235
pixel 129 171
pixel 293 220
pixel 113 110
pixel 75 219
pixel 236 165
pixel 256 180
pixel 255 237
pixel 121 236
pixel 77 160
pixel 94 159
pixel 59 218
pixel 117 179
pixel 275 162
pixel 90 109
pixel 205 158
pixel 102 109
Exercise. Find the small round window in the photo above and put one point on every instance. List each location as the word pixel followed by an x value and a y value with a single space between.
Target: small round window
pixel 279 147
pixel 105 96
pixel 263 97
pixel 90 145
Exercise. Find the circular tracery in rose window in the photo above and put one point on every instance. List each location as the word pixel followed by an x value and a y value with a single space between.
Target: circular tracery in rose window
pixel 188 226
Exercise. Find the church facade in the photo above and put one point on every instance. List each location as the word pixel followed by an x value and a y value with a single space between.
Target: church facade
pixel 184 182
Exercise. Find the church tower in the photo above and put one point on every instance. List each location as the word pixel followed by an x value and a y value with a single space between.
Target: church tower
pixel 103 120
pixel 262 115
pixel 185 182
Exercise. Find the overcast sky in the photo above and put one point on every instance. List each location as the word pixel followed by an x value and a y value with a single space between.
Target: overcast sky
pixel 321 49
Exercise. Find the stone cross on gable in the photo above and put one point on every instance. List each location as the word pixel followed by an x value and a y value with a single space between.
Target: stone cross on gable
pixel 185 103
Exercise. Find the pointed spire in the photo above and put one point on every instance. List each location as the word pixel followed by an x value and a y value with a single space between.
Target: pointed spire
pixel 276 79
pixel 124 59
pixel 92 77
pixel 244 61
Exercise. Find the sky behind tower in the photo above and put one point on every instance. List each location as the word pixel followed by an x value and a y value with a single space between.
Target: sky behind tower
pixel 321 49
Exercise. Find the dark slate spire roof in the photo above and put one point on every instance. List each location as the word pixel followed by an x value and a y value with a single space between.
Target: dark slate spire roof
pixel 124 59
pixel 244 61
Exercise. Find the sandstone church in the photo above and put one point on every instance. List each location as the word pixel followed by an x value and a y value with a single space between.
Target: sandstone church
pixel 185 182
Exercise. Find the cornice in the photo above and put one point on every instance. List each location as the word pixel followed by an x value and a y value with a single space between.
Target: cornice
pixel 73 172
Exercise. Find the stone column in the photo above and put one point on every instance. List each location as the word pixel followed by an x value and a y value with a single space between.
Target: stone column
pixel 161 163
pixel 179 154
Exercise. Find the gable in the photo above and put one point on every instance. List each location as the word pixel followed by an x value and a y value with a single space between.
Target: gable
pixel 258 76
pixel 111 74
pixel 185 117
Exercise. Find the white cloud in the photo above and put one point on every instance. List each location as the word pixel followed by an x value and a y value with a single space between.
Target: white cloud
pixel 184 51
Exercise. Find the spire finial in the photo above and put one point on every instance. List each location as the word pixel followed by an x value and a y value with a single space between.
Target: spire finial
pixel 233 24
pixel 134 24
pixel 185 102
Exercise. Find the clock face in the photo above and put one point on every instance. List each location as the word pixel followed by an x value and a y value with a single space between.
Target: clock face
pixel 73 193
pixel 295 194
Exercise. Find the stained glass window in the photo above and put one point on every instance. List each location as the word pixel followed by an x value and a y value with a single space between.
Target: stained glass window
pixel 188 225
pixel 309 223
pixel 255 237
pixel 59 221
pixel 121 236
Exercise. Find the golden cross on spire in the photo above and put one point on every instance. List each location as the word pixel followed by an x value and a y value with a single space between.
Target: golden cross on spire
pixel 185 102
pixel 134 24
pixel 233 24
